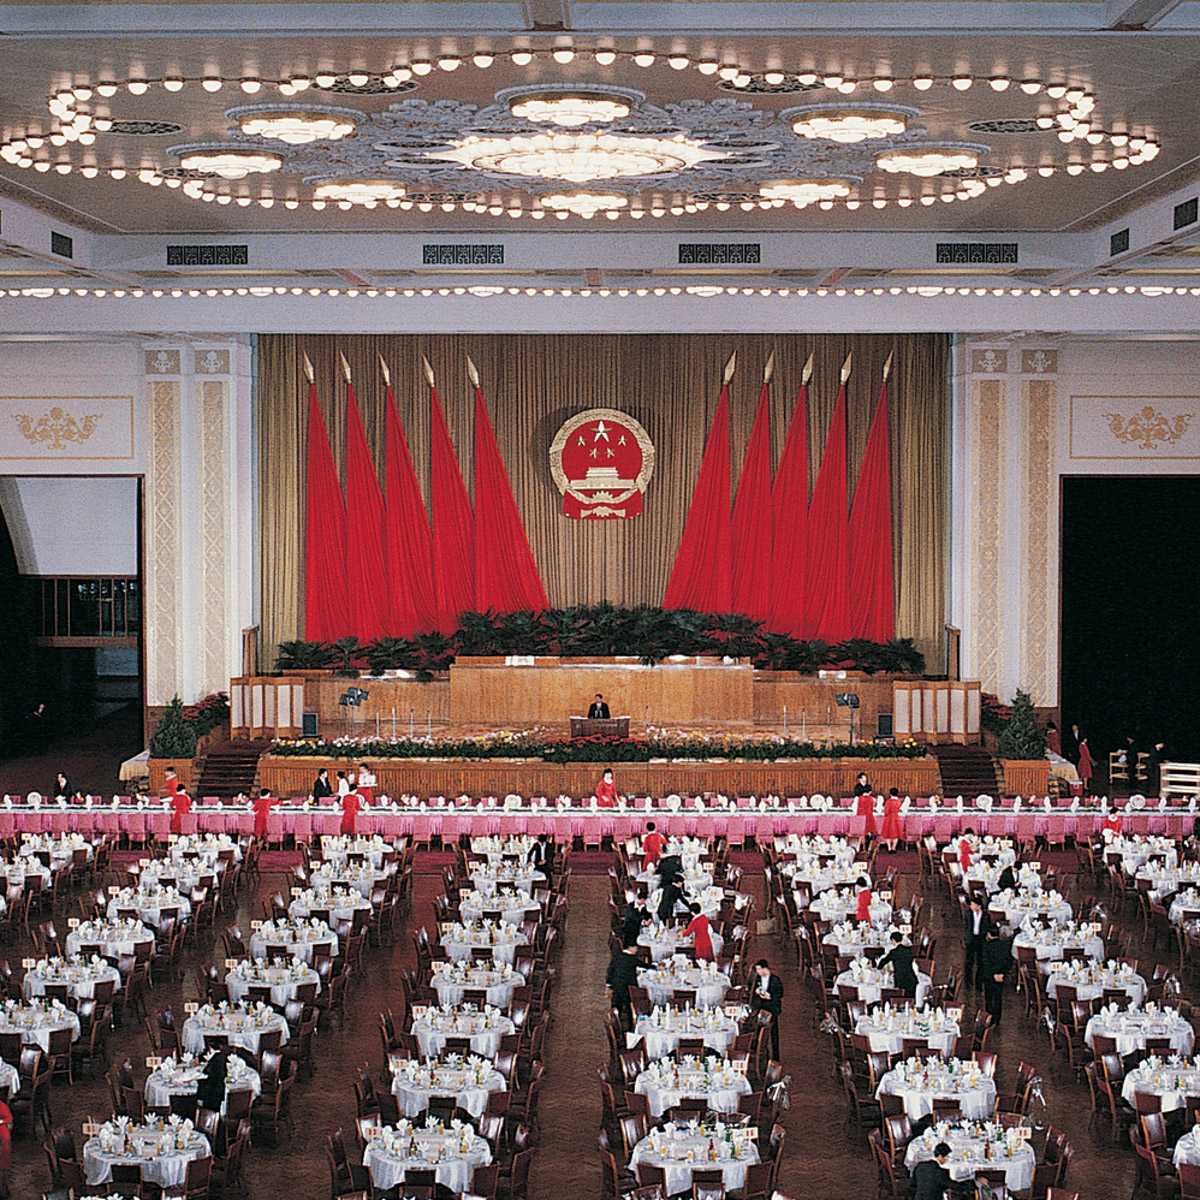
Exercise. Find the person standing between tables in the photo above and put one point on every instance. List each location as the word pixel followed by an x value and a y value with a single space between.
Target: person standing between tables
pixel 606 790
pixel 964 849
pixel 900 957
pixel 365 784
pixel 862 900
pixel 672 894
pixel 930 1179
pixel 541 854
pixel 343 784
pixel 1009 879
pixel 892 832
pixel 1086 765
pixel 598 709
pixel 700 927
pixel 622 975
pixel 1154 766
pixel 768 997
pixel 653 844
pixel 210 1092
pixel 864 803
pixel 181 805
pixel 633 921
pixel 976 926
pixel 997 960
pixel 262 810
pixel 321 789
pixel 349 801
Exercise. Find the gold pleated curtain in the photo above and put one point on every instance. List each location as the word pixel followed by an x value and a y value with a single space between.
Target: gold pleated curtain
pixel 670 383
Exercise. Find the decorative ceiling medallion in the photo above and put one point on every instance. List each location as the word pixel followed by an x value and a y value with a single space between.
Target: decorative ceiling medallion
pixel 579 157
pixel 803 192
pixel 1010 125
pixel 570 107
pixel 928 159
pixel 367 192
pixel 585 204
pixel 293 125
pixel 848 124
pixel 226 162
pixel 145 128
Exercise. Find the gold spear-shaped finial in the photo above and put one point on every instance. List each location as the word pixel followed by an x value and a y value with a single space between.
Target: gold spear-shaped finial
pixel 769 369
pixel 847 366
pixel 806 374
pixel 345 366
pixel 472 372
pixel 887 367
pixel 308 370
pixel 730 367
pixel 428 371
pixel 387 374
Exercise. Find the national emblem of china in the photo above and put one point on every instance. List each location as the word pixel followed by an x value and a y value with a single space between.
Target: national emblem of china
pixel 601 461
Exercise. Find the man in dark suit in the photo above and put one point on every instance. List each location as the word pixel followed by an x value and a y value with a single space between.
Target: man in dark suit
pixel 975 927
pixel 598 710
pixel 622 975
pixel 1154 766
pixel 930 1179
pixel 768 997
pixel 1008 878
pixel 541 854
pixel 996 959
pixel 322 789
pixel 632 921
pixel 900 956
pixel 672 894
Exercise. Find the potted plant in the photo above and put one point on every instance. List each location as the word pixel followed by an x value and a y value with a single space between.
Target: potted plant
pixel 1023 751
pixel 173 744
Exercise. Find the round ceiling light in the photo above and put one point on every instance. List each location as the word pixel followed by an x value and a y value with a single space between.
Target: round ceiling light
pixel 848 124
pixel 585 204
pixel 579 157
pixel 227 162
pixel 569 109
pixel 802 192
pixel 359 191
pixel 927 161
pixel 295 126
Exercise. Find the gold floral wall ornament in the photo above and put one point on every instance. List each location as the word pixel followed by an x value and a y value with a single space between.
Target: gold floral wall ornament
pixel 57 428
pixel 1148 427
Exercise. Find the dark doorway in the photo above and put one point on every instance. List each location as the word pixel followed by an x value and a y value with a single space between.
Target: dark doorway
pixel 1130 637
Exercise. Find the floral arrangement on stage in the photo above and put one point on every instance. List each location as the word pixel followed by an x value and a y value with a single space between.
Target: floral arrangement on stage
pixel 696 747
pixel 603 630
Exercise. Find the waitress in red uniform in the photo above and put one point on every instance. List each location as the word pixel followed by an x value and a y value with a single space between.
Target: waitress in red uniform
pixel 181 805
pixel 864 803
pixel 349 812
pixel 606 790
pixel 262 810
pixel 892 830
pixel 700 927
pixel 862 901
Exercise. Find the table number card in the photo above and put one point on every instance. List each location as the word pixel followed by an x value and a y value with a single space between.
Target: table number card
pixel 28 964
pixel 255 925
pixel 886 897
pixel 90 1128
pixel 191 1008
pixel 230 963
pixel 113 890
pixel 72 922
pixel 419 1010
pixel 153 1062
pixel 297 893
pixel 955 1013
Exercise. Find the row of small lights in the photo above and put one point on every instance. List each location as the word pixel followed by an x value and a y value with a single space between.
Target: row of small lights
pixel 486 291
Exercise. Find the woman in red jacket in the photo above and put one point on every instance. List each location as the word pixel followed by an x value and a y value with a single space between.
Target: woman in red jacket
pixel 892 830
pixel 606 790
pixel 862 909
pixel 864 804
pixel 700 927
pixel 6 1124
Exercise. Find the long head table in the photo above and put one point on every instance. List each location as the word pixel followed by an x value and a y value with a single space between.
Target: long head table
pixel 305 824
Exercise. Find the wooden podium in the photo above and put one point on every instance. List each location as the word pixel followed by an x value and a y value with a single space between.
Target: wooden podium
pixel 610 727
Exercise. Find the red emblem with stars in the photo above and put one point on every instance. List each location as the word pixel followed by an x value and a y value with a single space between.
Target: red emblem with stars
pixel 601 461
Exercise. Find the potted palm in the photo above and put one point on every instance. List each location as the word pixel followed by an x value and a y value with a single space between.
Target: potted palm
pixel 1023 751
pixel 173 744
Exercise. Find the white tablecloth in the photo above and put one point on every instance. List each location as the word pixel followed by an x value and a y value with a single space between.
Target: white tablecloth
pixel 1181 904
pixel 167 1168
pixel 35 1026
pixel 459 946
pixel 871 984
pixel 341 907
pixel 439 1152
pixel 664 981
pixel 664 1086
pixel 1092 984
pixel 974 1091
pixel 1016 908
pixel 336 847
pixel 674 1161
pixel 149 906
pixel 1132 1029
pixel 363 880
pixel 283 981
pixel 711 1025
pixel 663 943
pixel 162 1084
pixel 1187 1149
pixel 116 940
pixel 10 1080
pixel 1051 946
pixel 298 942
pixel 414 1093
pixel 513 910
pixel 855 941
pixel 968 1156
pixel 240 1029
pixel 839 906
pixel 1171 1084
pixel 499 984
pixel 523 878
pixel 80 980
pixel 432 1030
pixel 885 1038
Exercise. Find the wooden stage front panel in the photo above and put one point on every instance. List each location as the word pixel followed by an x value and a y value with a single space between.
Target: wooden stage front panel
pixel 288 776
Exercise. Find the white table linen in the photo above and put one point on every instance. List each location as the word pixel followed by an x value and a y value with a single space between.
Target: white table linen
pixel 665 1083
pixel 968 1155
pixel 467 1083
pixel 157 1152
pixel 1132 1027
pixel 239 1023
pixel 680 1152
pixel 443 1152
pixel 918 1087
pixel 282 980
pixel 485 1029
pixel 452 980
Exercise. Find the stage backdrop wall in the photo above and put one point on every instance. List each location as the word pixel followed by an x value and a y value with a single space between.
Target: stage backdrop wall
pixel 670 383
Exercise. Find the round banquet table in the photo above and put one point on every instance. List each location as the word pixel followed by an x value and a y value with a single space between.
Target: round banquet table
pixel 116 939
pixel 664 942
pixel 459 944
pixel 694 878
pixel 1187 1149
pixel 511 909
pixel 35 1024
pixel 671 1152
pixel 1050 945
pixel 363 880
pixel 181 877
pixel 870 982
pixel 664 981
pixel 335 848
pixel 854 939
pixel 819 879
pixel 1157 1077
pixel 1090 980
pixel 974 1091
pixel 499 983
pixel 840 905
pixel 484 1029
pixel 282 980
pixel 207 845
pixel 1168 881
pixel 1132 852
pixel 236 1024
pixel 967 1156
pixel 440 1151
pixel 61 849
pixel 710 899
pixel 183 1079
pixel 888 1036
pixel 341 905
pixel 798 846
pixel 1184 906
pixel 661 1031
pixel 413 1087
pixel 10 1080
pixel 494 848
pixel 14 873
pixel 523 878
pixel 149 904
pixel 80 978
pixel 665 1084
pixel 1132 1028
pixel 167 1168
pixel 297 939
pixel 1014 909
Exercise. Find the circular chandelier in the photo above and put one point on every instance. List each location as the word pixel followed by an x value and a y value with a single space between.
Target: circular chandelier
pixel 928 160
pixel 359 191
pixel 585 204
pixel 848 124
pixel 295 126
pixel 227 162
pixel 802 192
pixel 569 108
pixel 578 157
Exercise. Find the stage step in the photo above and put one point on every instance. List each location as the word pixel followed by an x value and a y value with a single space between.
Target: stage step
pixel 967 771
pixel 229 769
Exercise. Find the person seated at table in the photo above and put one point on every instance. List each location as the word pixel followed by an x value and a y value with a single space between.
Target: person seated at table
pixel 900 956
pixel 1112 824
pixel 598 709
pixel 606 790
pixel 864 804
pixel 636 917
pixel 930 1179
pixel 892 832
pixel 541 854
pixel 700 927
pixel 862 900
pixel 263 803
pixel 62 786
pixel 653 844
pixel 322 789
pixel 365 784
pixel 1008 878
pixel 210 1091
pixel 181 805
pixel 964 849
